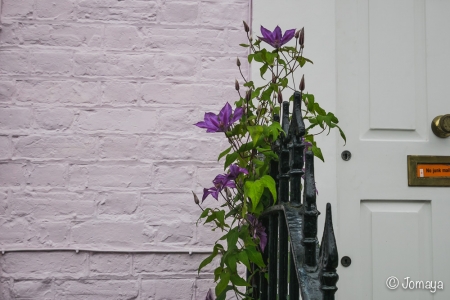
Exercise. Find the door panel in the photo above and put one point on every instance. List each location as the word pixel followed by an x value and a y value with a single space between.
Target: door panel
pixel 390 84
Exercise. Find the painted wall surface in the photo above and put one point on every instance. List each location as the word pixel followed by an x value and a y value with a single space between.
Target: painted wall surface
pixel 97 146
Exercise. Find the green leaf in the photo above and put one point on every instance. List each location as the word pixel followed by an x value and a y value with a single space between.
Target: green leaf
pixel 269 183
pixel 220 216
pixel 255 256
pixel 243 258
pixel 232 238
pixel 266 94
pixel 205 213
pixel 342 134
pixel 224 153
pixel 254 190
pixel 255 132
pixel 319 109
pixel 317 152
pixel 209 259
pixel 230 159
pixel 249 84
pixel 284 82
pixel 238 280
pixel 263 70
pixel 250 58
pixel 310 99
pixel 223 283
pixel 244 45
pixel 231 261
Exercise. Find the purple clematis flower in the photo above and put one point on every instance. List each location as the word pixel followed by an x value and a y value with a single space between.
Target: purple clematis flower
pixel 209 295
pixel 276 38
pixel 221 122
pixel 257 230
pixel 224 180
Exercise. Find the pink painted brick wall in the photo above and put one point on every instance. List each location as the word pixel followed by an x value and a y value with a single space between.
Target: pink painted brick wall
pixel 97 146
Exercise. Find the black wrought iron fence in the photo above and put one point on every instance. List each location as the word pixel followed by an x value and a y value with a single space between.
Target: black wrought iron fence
pixel 296 263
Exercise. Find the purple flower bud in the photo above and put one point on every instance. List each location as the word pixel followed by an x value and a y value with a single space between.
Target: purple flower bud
pixel 236 85
pixel 248 95
pixel 196 200
pixel 246 28
pixel 274 78
pixel 297 34
pixel 209 295
pixel 280 97
pixel 238 62
pixel 302 83
pixel 302 37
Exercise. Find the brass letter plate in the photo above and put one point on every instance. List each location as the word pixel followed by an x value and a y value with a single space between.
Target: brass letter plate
pixel 428 170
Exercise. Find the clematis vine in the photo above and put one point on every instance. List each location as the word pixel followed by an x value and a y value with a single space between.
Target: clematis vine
pixel 222 121
pixel 251 124
pixel 276 38
pixel 222 181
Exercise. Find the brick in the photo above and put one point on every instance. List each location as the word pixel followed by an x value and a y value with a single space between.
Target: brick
pixel 97 290
pixel 3 203
pixel 51 63
pixel 44 264
pixel 33 289
pixel 17 9
pixel 177 121
pixel 49 233
pixel 221 68
pixel 5 147
pixel 52 206
pixel 65 35
pixel 10 34
pixel 123 37
pixel 116 176
pixel 110 10
pixel 168 205
pixel 190 40
pixel 186 94
pixel 120 93
pixel 176 65
pixel 167 263
pixel 14 118
pixel 56 147
pixel 14 62
pixel 174 232
pixel 111 233
pixel 5 289
pixel 104 263
pixel 55 10
pixel 118 120
pixel 119 147
pixel 12 174
pixel 13 231
pixel 173 176
pixel 171 148
pixel 7 91
pixel 180 12
pixel 163 289
pixel 54 119
pixel 229 14
pixel 70 92
pixel 202 286
pixel 135 65
pixel 115 203
pixel 48 175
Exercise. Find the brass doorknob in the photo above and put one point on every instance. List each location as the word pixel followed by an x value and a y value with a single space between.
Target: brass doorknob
pixel 441 126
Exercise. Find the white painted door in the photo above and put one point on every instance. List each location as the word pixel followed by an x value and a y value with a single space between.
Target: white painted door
pixel 387 63
pixel 393 75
